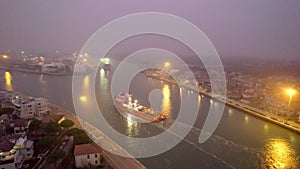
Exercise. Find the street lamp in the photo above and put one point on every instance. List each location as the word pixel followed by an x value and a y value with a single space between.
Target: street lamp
pixel 4 56
pixel 291 92
pixel 167 64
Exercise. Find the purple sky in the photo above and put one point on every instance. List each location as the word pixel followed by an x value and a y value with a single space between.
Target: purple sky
pixel 253 28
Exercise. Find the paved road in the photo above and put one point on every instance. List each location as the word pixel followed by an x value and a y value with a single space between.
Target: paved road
pixel 121 162
pixel 116 161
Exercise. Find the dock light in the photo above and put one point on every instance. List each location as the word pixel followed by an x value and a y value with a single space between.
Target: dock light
pixel 291 92
pixel 83 98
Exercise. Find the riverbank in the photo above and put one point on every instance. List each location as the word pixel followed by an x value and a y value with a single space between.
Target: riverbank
pixel 44 73
pixel 116 161
pixel 278 120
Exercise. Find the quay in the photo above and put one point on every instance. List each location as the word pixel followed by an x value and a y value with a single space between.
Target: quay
pixel 278 120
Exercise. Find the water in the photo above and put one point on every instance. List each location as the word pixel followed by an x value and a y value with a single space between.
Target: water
pixel 240 141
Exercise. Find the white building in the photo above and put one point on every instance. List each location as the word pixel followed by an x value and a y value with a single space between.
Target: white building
pixel 53 67
pixel 25 107
pixel 41 105
pixel 87 155
pixel 14 152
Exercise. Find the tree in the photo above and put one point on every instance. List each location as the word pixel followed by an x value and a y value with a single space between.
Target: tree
pixel 47 143
pixel 66 124
pixel 73 131
pixel 53 127
pixel 7 110
pixel 82 138
pixel 35 126
pixel 56 155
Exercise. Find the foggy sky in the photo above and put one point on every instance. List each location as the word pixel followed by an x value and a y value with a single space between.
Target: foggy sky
pixel 253 28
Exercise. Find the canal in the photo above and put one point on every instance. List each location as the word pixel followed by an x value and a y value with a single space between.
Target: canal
pixel 240 141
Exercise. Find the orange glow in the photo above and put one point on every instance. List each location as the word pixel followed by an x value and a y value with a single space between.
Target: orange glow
pixel 290 91
pixel 279 154
pixel 8 79
pixel 166 106
pixel 4 56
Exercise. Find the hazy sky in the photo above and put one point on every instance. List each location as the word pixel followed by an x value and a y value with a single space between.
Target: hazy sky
pixel 260 28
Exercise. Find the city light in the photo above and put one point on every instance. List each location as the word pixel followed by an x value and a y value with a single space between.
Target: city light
pixel 291 92
pixel 83 98
pixel 167 64
pixel 4 56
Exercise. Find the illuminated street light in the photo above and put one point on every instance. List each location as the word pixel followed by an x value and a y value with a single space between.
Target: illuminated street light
pixel 291 92
pixel 167 64
pixel 83 98
pixel 4 56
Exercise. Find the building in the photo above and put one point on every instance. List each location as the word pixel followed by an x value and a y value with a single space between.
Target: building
pixel 41 105
pixel 56 67
pixel 13 152
pixel 87 155
pixel 20 126
pixel 25 107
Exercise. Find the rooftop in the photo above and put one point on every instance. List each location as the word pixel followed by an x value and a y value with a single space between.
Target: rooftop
pixel 84 149
pixel 5 145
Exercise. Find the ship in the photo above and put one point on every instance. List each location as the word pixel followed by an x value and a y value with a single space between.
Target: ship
pixel 105 64
pixel 128 107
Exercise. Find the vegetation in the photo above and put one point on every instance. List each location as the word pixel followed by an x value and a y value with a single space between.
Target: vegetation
pixel 56 155
pixel 46 143
pixel 82 138
pixel 74 131
pixel 35 126
pixel 66 124
pixel 6 111
pixel 52 128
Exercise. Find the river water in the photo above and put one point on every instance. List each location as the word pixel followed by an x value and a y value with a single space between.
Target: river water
pixel 240 141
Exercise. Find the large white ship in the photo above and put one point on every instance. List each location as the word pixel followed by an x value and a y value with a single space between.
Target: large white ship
pixel 129 107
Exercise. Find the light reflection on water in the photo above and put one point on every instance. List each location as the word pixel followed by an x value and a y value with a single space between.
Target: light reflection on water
pixel 166 102
pixel 132 127
pixel 279 154
pixel 8 79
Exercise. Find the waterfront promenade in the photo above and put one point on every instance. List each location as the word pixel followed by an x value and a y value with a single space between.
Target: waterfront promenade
pixel 279 120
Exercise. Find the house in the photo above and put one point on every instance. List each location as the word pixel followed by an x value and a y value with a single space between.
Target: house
pixel 25 107
pixel 13 152
pixel 20 126
pixel 87 155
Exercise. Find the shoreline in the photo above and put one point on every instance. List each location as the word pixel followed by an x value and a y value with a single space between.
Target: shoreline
pixel 242 107
pixel 93 133
pixel 40 72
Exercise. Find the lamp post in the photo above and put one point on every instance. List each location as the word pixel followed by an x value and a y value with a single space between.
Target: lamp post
pixel 167 65
pixel 4 56
pixel 291 92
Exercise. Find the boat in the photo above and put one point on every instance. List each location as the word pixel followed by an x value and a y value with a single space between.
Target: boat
pixel 105 64
pixel 128 107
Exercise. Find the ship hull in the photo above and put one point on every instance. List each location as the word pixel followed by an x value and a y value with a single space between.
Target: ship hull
pixel 133 117
pixel 135 114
